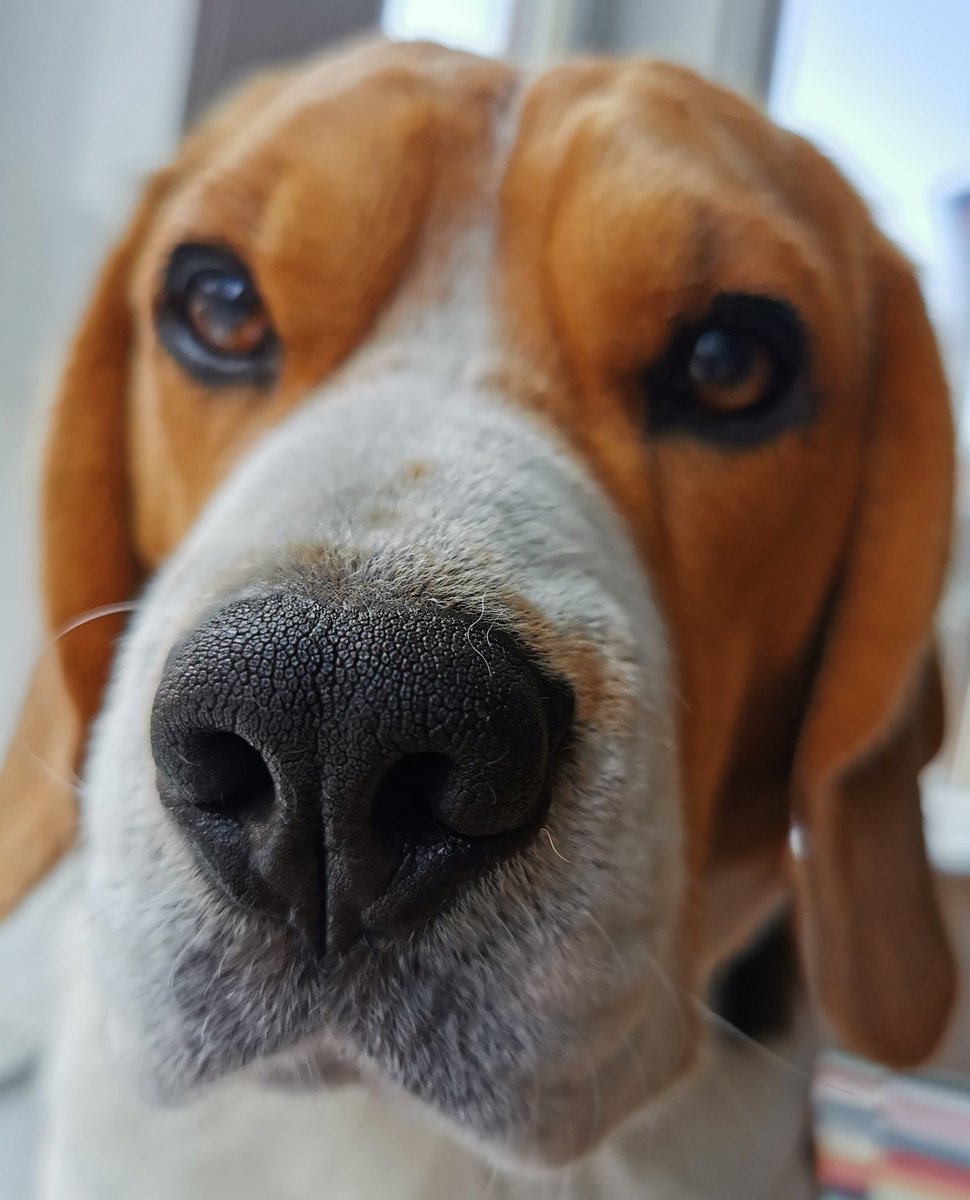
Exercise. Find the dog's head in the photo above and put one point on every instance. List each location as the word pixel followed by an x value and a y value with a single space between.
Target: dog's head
pixel 536 496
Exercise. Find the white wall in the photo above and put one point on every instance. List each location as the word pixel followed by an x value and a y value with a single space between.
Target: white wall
pixel 91 95
pixel 729 40
pixel 884 87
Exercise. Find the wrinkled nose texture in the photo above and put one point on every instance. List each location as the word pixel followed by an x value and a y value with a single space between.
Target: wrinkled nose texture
pixel 347 768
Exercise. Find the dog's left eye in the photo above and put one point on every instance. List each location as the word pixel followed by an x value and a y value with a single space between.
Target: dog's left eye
pixel 736 377
pixel 212 320
pixel 729 370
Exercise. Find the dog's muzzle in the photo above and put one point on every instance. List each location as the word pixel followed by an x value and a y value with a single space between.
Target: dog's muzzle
pixel 347 767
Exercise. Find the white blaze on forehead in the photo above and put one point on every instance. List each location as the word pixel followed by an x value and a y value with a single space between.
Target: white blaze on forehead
pixel 444 308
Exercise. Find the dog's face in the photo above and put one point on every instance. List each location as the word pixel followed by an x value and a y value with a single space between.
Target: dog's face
pixel 544 488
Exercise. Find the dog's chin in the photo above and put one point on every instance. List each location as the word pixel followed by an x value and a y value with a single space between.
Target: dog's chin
pixel 571 1109
pixel 525 1086
pixel 564 1130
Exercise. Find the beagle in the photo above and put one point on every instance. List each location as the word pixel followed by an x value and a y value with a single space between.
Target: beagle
pixel 531 497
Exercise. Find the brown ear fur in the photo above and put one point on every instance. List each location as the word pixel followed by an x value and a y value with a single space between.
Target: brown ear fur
pixel 86 561
pixel 876 947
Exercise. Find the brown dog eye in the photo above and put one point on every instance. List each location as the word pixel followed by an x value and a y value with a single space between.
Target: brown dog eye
pixel 737 377
pixel 729 371
pixel 211 319
pixel 226 313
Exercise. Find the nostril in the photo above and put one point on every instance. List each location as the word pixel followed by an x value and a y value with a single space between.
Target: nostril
pixel 228 774
pixel 408 798
pixel 272 731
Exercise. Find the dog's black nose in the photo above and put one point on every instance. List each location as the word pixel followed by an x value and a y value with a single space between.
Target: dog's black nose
pixel 347 767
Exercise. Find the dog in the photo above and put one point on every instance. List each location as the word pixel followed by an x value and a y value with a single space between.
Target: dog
pixel 531 496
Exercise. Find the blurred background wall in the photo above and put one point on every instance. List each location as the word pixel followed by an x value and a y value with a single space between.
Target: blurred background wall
pixel 94 94
pixel 91 96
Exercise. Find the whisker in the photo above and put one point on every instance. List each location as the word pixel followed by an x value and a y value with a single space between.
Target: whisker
pixel 196 938
pixel 716 1021
pixel 94 614
pixel 675 992
pixel 490 1183
pixel 468 636
pixel 73 781
pixel 594 1079
pixel 554 847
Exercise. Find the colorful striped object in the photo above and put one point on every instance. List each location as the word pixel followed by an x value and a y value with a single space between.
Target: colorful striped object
pixel 891 1137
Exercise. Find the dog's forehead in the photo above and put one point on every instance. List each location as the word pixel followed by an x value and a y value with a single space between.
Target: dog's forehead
pixel 376 111
pixel 467 123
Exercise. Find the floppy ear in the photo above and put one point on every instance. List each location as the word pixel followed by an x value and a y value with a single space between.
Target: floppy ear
pixel 87 561
pixel 876 947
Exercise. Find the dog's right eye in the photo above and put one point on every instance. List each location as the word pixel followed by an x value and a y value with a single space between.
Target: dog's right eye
pixel 212 320
pixel 737 377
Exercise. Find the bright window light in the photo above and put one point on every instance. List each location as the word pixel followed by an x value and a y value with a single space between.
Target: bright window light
pixel 482 26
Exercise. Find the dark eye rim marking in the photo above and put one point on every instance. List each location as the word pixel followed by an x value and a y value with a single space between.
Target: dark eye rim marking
pixel 256 367
pixel 775 327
